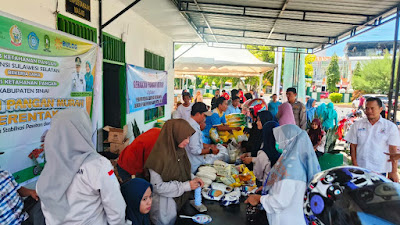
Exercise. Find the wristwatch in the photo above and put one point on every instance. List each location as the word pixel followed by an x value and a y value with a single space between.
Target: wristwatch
pixel 210 151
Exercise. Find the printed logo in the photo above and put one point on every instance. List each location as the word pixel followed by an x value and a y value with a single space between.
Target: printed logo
pixel 16 35
pixel 33 41
pixel 69 45
pixel 46 43
pixel 58 43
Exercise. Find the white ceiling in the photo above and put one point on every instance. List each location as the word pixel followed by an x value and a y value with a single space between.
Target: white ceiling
pixel 164 15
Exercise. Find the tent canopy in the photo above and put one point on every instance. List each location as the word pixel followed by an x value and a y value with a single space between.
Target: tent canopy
pixel 204 60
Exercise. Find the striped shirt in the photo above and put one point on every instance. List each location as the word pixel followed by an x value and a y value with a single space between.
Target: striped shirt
pixel 11 204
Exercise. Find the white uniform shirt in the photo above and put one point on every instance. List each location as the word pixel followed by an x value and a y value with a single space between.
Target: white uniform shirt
pixel 372 142
pixel 184 112
pixel 284 202
pixel 94 197
pixel 195 146
pixel 78 82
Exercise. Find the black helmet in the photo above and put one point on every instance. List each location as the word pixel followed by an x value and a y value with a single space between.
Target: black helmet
pixel 350 195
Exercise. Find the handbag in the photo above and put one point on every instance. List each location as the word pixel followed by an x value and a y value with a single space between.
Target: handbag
pixel 255 215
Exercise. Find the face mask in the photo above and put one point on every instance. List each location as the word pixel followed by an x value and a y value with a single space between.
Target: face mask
pixel 277 148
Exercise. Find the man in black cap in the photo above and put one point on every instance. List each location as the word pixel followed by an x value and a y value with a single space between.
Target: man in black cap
pixel 196 149
pixel 78 80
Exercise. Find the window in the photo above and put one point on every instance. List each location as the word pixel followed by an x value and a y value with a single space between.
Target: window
pixel 153 61
pixel 113 49
pixel 153 114
pixel 76 28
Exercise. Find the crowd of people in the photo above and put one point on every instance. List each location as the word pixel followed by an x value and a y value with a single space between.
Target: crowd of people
pixel 79 186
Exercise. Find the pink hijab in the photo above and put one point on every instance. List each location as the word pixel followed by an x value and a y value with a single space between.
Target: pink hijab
pixel 285 114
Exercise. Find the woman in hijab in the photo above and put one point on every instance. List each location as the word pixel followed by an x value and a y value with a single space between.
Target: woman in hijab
pixel 321 109
pixel 310 107
pixel 317 137
pixel 198 97
pixel 330 117
pixel 137 195
pixel 283 192
pixel 267 157
pixel 77 185
pixel 169 168
pixel 253 145
pixel 285 114
pixel 89 77
pixel 270 142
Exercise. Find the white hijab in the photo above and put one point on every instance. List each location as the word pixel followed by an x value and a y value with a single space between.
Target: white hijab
pixel 67 145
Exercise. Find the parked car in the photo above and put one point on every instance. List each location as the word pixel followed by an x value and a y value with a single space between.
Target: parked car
pixel 324 94
pixel 383 98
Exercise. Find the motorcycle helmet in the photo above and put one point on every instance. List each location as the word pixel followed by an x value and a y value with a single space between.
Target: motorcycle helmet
pixel 350 195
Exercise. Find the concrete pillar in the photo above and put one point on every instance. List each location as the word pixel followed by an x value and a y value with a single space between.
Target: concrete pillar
pixel 294 72
pixel 277 71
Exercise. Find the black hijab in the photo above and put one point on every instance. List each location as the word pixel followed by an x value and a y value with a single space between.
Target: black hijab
pixel 269 142
pixel 256 136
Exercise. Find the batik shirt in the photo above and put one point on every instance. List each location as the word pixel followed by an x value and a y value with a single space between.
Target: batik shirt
pixel 11 204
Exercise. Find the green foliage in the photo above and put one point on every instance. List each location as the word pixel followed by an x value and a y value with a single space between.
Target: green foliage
pixel 219 81
pixel 208 95
pixel 309 70
pixel 333 73
pixel 177 46
pixel 331 137
pixel 335 97
pixel 357 70
pixel 374 76
pixel 263 53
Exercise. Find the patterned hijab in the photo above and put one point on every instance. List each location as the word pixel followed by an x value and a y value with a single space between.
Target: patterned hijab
pixel 298 160
pixel 316 135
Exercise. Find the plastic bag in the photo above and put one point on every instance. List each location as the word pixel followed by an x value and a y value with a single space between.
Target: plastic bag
pixel 214 136
pixel 222 155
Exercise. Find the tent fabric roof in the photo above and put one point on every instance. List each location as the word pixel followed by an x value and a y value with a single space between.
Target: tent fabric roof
pixel 204 60
pixel 310 24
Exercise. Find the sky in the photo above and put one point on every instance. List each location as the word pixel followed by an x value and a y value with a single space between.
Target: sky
pixel 383 32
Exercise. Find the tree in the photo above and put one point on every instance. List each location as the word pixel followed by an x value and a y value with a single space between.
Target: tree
pixel 219 81
pixel 374 76
pixel 333 73
pixel 265 54
pixel 357 70
pixel 309 70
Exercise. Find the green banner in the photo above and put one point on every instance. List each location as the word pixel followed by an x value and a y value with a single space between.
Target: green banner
pixel 42 71
pixel 22 37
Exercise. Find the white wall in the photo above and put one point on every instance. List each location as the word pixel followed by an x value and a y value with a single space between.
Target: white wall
pixel 138 34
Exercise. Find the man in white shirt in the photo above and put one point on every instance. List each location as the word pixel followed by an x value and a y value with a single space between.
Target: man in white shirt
pixel 196 149
pixel 370 138
pixel 78 80
pixel 183 111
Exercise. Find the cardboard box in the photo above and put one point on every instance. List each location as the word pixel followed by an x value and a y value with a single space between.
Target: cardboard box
pixel 117 148
pixel 116 135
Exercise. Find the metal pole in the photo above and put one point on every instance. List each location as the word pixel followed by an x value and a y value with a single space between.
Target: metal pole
pixel 100 21
pixel 120 13
pixel 396 34
pixel 396 94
